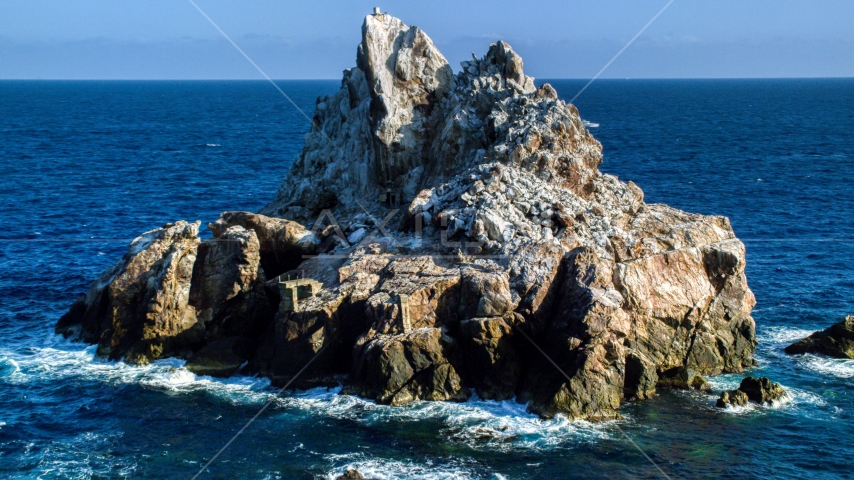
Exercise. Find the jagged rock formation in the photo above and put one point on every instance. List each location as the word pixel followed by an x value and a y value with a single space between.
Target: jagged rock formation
pixel 141 306
pixel 446 218
pixel 835 341
pixel 759 390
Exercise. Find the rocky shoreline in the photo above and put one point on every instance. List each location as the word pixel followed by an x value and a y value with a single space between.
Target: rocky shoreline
pixel 432 222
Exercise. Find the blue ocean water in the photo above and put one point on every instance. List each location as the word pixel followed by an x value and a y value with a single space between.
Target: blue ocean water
pixel 86 166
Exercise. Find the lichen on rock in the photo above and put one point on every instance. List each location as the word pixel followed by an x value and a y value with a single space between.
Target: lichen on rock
pixel 445 219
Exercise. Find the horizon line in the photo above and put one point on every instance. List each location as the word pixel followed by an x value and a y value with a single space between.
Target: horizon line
pixel 580 79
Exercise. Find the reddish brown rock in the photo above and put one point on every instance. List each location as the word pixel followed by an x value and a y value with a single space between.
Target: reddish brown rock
pixel 139 309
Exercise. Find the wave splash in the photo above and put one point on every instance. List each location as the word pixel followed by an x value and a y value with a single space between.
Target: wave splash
pixel 478 424
pixel 61 359
pixel 780 337
pixel 383 469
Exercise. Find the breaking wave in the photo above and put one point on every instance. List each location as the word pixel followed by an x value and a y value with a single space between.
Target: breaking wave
pixel 386 469
pixel 796 398
pixel 836 367
pixel 62 359
pixel 478 424
pixel 501 425
pixel 778 335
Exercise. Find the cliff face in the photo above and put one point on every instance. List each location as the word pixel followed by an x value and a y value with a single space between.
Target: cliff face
pixel 435 221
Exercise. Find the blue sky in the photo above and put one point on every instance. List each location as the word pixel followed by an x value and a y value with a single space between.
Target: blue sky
pixel 169 39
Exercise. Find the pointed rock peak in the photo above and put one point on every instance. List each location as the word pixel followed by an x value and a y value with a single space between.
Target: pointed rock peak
pixel 406 76
pixel 510 65
pixel 401 61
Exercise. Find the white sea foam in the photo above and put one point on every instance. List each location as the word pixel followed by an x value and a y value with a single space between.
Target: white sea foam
pixel 61 359
pixel 723 382
pixel 384 469
pixel 80 457
pixel 477 423
pixel 800 398
pixel 782 335
pixel 9 368
pixel 795 398
pixel 836 367
pixel 746 409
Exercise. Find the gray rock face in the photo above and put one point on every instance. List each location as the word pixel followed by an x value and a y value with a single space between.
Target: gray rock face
pixel 444 215
pixel 398 369
pixel 171 294
pixel 372 134
pixel 762 390
pixel 836 341
pixel 492 355
pixel 226 268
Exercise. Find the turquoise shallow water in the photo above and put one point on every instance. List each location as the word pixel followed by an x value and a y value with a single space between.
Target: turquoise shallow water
pixel 86 166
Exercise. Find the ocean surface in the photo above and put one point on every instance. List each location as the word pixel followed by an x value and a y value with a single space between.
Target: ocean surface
pixel 87 166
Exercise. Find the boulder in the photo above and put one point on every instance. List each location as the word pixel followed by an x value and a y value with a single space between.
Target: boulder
pixel 227 266
pixel 640 378
pixel 398 369
pixel 683 378
pixel 762 390
pixel 734 398
pixel 758 390
pixel 492 356
pixel 835 341
pixel 485 293
pixel 282 243
pixel 350 474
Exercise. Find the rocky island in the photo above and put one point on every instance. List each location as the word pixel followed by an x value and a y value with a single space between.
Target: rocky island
pixel 435 232
pixel 835 341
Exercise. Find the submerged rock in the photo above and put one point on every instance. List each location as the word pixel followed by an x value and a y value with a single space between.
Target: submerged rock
pixel 350 474
pixel 683 378
pixel 762 390
pixel 836 341
pixel 222 358
pixel 732 398
pixel 758 390
pixel 432 219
